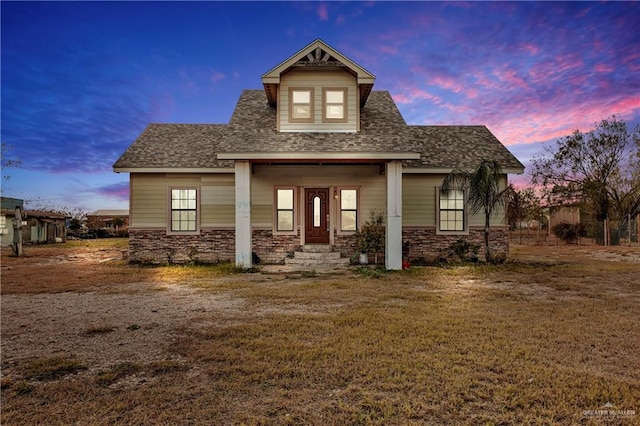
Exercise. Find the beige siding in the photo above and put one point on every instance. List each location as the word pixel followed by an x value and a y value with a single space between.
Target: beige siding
pixel 368 178
pixel 419 199
pixel 150 198
pixel 318 80
pixel 419 202
pixel 149 194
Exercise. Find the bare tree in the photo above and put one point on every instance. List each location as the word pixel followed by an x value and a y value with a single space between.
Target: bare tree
pixel 6 161
pixel 599 170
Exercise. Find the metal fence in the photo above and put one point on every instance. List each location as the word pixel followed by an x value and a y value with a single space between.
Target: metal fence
pixel 618 233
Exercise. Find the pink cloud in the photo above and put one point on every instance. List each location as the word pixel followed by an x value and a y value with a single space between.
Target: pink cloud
pixel 446 83
pixel 547 71
pixel 410 94
pixel 583 13
pixel 509 76
pixel 216 76
pixel 552 123
pixel 322 12
pixel 388 49
pixel 531 48
pixel 603 67
pixel 578 80
pixel 118 191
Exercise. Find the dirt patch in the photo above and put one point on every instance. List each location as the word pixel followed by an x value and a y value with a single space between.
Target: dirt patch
pixel 141 325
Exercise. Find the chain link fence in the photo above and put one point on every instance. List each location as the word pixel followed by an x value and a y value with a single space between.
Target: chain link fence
pixel 618 233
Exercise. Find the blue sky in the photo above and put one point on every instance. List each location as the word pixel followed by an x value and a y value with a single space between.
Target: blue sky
pixel 81 80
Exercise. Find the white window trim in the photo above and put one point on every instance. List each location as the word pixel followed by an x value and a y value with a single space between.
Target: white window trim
pixel 345 109
pixel 169 209
pixel 311 118
pixel 295 211
pixel 465 217
pixel 338 198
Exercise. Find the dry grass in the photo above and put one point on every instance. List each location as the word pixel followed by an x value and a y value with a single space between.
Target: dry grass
pixel 89 265
pixel 536 341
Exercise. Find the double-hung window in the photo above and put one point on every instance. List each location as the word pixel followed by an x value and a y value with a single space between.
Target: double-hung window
pixel 284 210
pixel 301 105
pixel 451 215
pixel 348 210
pixel 184 210
pixel 334 105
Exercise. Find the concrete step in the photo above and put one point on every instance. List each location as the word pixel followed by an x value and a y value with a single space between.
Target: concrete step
pixel 317 248
pixel 318 263
pixel 317 256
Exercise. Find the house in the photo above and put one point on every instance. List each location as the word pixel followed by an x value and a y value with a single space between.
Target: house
pixel 111 221
pixel 45 227
pixel 38 226
pixel 299 166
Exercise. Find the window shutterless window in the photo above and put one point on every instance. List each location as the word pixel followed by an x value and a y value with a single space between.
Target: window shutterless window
pixel 334 105
pixel 301 105
pixel 184 210
pixel 451 215
pixel 284 209
pixel 348 209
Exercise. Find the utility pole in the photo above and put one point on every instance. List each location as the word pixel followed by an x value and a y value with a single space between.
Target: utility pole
pixel 17 232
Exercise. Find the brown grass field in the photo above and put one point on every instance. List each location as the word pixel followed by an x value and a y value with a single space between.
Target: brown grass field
pixel 551 337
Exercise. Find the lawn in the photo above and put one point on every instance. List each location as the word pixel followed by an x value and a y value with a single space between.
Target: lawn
pixel 552 337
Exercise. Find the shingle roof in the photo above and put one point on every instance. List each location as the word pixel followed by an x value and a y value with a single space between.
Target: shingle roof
pixel 175 146
pixel 252 128
pixel 459 147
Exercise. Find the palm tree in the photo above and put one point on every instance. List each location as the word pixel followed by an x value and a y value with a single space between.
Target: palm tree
pixel 482 192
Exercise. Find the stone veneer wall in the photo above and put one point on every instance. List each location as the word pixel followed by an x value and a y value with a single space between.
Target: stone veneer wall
pixel 273 248
pixel 419 245
pixel 345 244
pixel 155 246
pixel 423 245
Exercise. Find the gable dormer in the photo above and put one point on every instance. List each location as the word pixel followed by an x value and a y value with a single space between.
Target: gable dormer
pixel 318 90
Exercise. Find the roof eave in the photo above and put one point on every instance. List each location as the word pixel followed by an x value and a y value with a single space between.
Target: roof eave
pixel 126 169
pixel 319 156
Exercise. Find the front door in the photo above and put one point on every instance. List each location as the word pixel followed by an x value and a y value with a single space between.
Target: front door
pixel 316 213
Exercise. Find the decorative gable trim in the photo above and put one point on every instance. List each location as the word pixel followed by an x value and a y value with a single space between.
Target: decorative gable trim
pixel 317 55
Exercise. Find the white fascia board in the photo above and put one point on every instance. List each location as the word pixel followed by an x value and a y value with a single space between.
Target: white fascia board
pixel 319 156
pixel 172 170
pixel 434 170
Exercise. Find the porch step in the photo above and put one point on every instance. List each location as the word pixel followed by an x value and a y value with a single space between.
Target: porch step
pixel 317 257
pixel 317 248
pixel 305 255
pixel 318 263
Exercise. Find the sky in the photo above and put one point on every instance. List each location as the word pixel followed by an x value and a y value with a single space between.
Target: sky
pixel 81 80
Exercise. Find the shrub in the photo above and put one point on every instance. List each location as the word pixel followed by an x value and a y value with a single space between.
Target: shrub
pixel 569 232
pixel 499 258
pixel 371 235
pixel 462 250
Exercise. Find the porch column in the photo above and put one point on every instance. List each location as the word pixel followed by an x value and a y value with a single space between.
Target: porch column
pixel 393 230
pixel 243 213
